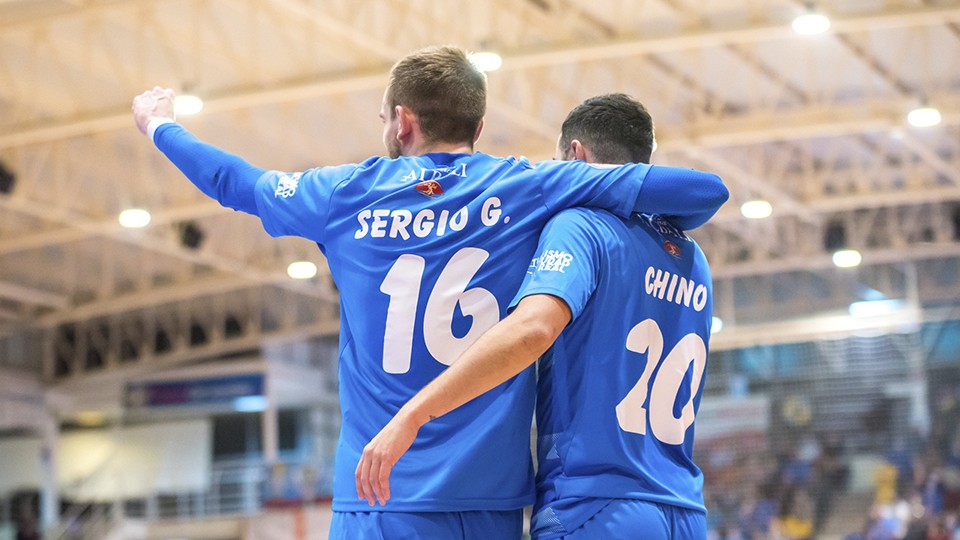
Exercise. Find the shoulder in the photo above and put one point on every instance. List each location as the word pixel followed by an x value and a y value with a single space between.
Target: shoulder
pixel 585 221
pixel 555 164
pixel 371 162
pixel 345 170
pixel 334 175
pixel 509 161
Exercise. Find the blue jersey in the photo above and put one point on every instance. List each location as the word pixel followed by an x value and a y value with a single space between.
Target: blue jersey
pixel 426 254
pixel 619 389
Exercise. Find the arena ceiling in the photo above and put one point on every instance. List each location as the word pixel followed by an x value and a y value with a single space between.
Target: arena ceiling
pixel 816 125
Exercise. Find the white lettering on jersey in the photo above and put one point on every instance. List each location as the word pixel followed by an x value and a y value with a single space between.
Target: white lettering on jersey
pixel 675 288
pixel 490 211
pixel 401 218
pixel 438 173
pixel 554 260
pixel 533 266
pixel 287 186
pixel 402 223
pixel 379 224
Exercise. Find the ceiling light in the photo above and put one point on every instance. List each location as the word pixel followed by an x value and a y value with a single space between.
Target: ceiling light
pixel 302 270
pixel 486 60
pixel 846 258
pixel 716 325
pixel 924 117
pixel 811 23
pixel 187 104
pixel 756 209
pixel 134 218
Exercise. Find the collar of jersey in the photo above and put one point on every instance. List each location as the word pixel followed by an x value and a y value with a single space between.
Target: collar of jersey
pixel 444 158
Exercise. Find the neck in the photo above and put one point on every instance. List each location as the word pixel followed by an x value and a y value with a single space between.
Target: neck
pixel 430 148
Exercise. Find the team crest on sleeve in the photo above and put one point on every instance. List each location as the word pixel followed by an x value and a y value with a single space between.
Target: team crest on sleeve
pixel 287 186
pixel 553 260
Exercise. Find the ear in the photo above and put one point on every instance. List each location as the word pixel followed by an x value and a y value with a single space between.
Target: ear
pixel 476 136
pixel 580 152
pixel 406 122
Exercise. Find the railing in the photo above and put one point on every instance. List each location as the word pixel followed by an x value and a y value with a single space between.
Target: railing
pixel 82 522
pixel 235 489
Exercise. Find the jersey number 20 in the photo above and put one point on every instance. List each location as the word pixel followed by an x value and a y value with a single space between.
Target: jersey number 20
pixel 631 414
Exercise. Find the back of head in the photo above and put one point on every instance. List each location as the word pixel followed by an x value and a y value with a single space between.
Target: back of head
pixel 444 89
pixel 615 127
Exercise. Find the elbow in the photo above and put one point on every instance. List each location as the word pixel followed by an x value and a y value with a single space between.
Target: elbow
pixel 720 192
pixel 220 186
pixel 714 199
pixel 540 337
pixel 539 334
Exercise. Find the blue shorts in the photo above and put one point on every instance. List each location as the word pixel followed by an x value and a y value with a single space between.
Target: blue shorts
pixel 473 525
pixel 620 518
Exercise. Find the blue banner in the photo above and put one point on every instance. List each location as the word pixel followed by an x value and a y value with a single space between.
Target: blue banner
pixel 214 390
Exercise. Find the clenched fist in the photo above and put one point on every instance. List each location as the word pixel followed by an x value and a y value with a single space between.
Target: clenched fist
pixel 156 103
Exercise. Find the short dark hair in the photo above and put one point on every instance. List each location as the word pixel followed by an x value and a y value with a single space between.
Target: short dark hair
pixel 615 127
pixel 444 89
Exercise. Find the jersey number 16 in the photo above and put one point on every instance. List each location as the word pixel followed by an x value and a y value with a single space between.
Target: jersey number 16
pixel 402 284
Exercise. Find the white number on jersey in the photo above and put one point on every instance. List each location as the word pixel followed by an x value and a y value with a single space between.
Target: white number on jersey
pixel 646 337
pixel 402 284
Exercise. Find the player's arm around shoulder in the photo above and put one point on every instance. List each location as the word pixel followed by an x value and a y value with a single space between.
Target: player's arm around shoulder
pixel 687 196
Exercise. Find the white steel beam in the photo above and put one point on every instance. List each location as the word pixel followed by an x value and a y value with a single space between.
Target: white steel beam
pixel 732 173
pixel 819 262
pixel 32 295
pixel 703 38
pixel 295 90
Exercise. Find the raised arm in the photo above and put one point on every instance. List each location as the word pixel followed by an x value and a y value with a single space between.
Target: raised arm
pixel 503 351
pixel 220 175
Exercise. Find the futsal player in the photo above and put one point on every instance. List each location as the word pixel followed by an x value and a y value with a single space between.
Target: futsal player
pixel 625 305
pixel 425 248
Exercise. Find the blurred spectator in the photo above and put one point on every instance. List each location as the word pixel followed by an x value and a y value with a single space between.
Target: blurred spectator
pixel 797 523
pixel 830 474
pixel 27 528
pixel 885 484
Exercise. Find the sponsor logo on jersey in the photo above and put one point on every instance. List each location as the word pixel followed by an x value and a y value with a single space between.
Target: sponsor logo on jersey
pixel 671 248
pixel 553 260
pixel 665 228
pixel 424 174
pixel 287 186
pixel 430 188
